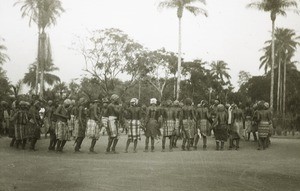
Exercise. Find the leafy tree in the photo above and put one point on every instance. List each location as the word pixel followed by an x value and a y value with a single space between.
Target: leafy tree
pixel 110 54
pixel 5 90
pixel 180 6
pixel 158 69
pixel 256 88
pixel 243 77
pixel 275 7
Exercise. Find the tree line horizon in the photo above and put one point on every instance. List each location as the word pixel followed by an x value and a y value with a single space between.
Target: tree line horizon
pixel 110 52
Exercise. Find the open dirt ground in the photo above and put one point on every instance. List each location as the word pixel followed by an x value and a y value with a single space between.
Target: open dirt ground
pixel 277 168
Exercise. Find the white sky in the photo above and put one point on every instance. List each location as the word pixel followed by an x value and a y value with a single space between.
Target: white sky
pixel 231 33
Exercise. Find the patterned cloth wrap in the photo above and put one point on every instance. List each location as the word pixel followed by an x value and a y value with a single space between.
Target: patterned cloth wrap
pixel 76 128
pixel 263 129
pixel 203 126
pixel 189 128
pixel 92 129
pixel 177 128
pixel 62 131
pixel 21 131
pixel 34 130
pixel 104 122
pixel 134 130
pixel 248 125
pixel 112 127
pixel 168 128
pixel 47 124
pixel 21 126
pixel 236 130
pixel 71 123
pixel 221 132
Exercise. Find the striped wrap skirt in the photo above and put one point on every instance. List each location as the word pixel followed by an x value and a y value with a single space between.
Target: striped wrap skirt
pixel 92 129
pixel 168 128
pixel 112 127
pixel 263 129
pixel 189 128
pixel 203 126
pixel 134 130
pixel 62 131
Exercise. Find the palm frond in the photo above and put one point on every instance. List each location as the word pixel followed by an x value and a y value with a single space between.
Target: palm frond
pixel 196 10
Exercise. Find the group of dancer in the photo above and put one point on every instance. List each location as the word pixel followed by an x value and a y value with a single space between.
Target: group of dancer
pixel 169 120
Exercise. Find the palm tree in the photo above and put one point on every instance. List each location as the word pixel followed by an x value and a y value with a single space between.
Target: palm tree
pixel 44 14
pixel 219 69
pixel 275 7
pixel 181 5
pixel 3 56
pixel 285 43
pixel 50 79
pixel 17 88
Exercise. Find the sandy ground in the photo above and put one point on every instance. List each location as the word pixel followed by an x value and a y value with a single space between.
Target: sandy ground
pixel 277 168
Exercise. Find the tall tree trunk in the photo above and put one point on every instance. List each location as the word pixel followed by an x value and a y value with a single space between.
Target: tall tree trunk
pixel 278 87
pixel 139 89
pixel 280 102
pixel 38 65
pixel 42 63
pixel 174 86
pixel 272 66
pixel 179 60
pixel 284 85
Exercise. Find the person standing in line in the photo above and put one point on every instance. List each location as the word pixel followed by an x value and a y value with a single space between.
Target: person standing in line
pixel 168 125
pixel 35 124
pixel 236 129
pixel 50 123
pixel 177 127
pixel 248 113
pixel 113 129
pixel 6 117
pixel 188 118
pixel 11 130
pixel 220 127
pixel 151 124
pixel 202 116
pixel 93 128
pixel 254 127
pixel 104 115
pixel 267 107
pixel 133 115
pixel 62 114
pixel 213 113
pixel 264 121
pixel 71 121
pixel 21 121
pixel 80 122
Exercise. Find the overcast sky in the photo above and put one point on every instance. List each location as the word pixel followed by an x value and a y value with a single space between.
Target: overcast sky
pixel 231 33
